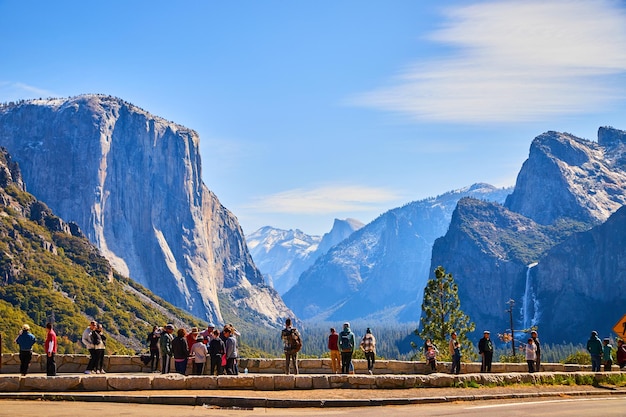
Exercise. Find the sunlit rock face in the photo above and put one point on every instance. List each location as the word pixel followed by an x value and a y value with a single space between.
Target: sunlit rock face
pixel 132 182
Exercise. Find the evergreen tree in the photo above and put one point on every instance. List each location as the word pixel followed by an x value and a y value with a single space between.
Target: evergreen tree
pixel 442 314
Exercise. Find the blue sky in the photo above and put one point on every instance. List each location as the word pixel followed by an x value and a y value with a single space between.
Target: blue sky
pixel 310 111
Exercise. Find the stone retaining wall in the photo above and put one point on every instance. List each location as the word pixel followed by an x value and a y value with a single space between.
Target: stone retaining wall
pixel 262 382
pixel 122 364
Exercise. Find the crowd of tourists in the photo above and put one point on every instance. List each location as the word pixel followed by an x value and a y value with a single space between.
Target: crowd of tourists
pixel 214 352
pixel 211 351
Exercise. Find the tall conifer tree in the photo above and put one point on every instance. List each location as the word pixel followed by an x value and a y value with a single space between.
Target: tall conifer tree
pixel 442 314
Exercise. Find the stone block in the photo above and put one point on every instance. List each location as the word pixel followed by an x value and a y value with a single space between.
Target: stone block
pixel 399 367
pixel 129 383
pixel 168 381
pixel 203 382
pixel 320 382
pixel 499 367
pixel 94 383
pixel 362 381
pixel 265 364
pixel 303 382
pixel 390 381
pixel 514 378
pixel 51 383
pixel 310 364
pixel 123 363
pixel 491 379
pixel 236 381
pixel 282 382
pixel 264 382
pixel 9 383
pixel 338 381
pixel 442 380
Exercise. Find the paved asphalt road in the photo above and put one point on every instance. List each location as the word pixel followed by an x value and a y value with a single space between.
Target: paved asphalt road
pixel 566 407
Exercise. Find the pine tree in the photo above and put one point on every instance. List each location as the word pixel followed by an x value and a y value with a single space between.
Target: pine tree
pixel 442 314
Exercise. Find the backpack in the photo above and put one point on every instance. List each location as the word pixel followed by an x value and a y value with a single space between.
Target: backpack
pixel 296 342
pixel 345 343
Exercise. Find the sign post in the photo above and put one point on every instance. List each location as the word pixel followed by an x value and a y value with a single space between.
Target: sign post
pixel 620 327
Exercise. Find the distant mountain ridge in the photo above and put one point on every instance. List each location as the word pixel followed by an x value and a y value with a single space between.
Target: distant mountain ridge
pixel 132 181
pixel 379 272
pixel 282 255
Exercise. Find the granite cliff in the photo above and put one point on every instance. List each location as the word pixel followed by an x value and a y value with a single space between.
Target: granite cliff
pixel 548 247
pixel 132 182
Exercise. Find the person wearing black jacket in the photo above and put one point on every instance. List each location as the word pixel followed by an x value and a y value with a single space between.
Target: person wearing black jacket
pixel 153 342
pixel 485 349
pixel 180 350
pixel 216 350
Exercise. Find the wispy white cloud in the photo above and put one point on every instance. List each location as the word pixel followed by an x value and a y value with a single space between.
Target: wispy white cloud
pixel 325 200
pixel 12 91
pixel 515 61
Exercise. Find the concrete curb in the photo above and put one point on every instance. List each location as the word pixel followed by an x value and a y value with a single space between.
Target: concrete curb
pixel 259 402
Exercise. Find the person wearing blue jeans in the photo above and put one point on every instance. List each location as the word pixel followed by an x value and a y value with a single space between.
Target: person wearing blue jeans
pixel 594 347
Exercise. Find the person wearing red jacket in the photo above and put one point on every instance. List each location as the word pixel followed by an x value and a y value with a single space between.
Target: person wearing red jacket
pixel 51 350
pixel 621 354
pixel 333 347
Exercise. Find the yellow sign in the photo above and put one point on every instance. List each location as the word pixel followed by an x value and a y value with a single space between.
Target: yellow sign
pixel 620 327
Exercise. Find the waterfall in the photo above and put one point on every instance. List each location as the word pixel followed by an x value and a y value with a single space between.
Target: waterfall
pixel 528 298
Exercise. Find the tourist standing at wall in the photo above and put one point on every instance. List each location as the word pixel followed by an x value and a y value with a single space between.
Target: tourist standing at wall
pixel 346 344
pixel 166 348
pixel 368 346
pixel 485 349
pixel 333 347
pixel 51 350
pixel 86 339
pixel 594 347
pixel 25 340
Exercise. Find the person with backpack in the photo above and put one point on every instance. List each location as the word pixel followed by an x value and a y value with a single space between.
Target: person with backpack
pixel 368 346
pixel 346 344
pixel 292 343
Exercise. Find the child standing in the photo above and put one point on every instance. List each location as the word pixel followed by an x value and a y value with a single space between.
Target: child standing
pixel 431 357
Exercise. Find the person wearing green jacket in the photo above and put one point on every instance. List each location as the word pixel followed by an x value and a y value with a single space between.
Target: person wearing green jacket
pixel 607 357
pixel 166 347
pixel 594 347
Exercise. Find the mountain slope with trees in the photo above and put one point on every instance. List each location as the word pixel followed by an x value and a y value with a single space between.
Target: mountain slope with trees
pixel 50 272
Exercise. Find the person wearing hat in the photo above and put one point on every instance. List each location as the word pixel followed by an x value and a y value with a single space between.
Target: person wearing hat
pixel 485 349
pixel 594 347
pixel 165 343
pixel 192 336
pixel 207 333
pixel 199 352
pixel 25 340
pixel 607 358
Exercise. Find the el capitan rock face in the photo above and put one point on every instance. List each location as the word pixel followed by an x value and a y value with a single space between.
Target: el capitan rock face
pixel 132 182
